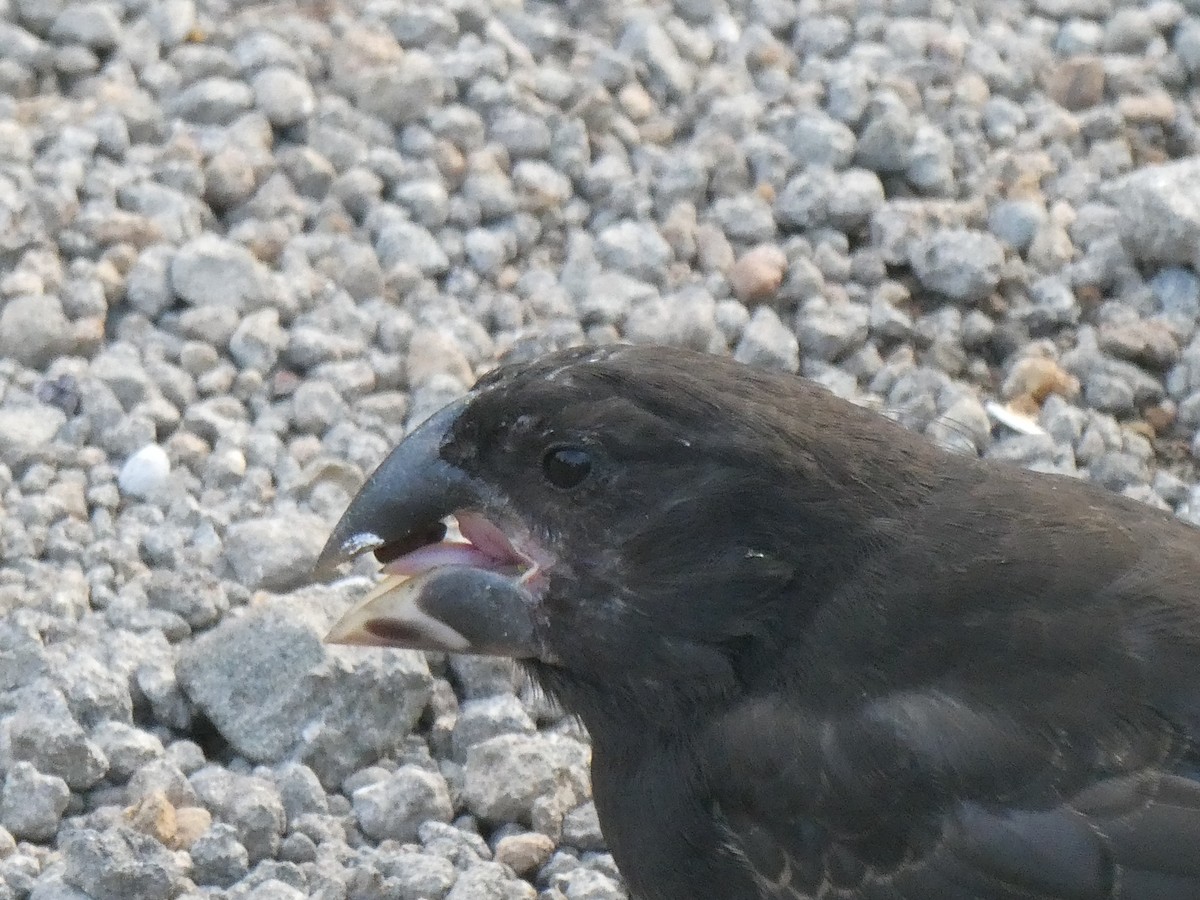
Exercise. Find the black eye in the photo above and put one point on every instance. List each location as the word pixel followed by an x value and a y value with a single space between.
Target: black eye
pixel 566 467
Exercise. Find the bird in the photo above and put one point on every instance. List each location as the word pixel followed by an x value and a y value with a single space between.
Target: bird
pixel 817 655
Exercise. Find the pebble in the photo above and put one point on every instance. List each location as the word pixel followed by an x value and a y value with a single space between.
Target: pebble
pixel 962 265
pixel 310 703
pixel 145 473
pixel 395 807
pixel 765 341
pixel 1159 211
pixel 634 248
pixel 758 273
pixel 524 853
pixel 284 96
pixel 1077 83
pixel 210 271
pixel 505 777
pixel 32 804
pixel 34 331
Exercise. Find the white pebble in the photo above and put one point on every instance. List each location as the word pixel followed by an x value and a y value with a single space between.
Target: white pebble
pixel 144 472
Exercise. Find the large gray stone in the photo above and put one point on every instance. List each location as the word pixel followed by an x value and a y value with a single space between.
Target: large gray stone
pixel 276 692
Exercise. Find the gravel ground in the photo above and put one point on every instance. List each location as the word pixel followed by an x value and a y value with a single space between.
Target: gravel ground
pixel 244 246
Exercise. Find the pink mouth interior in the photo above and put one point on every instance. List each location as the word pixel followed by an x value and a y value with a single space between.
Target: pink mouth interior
pixel 485 547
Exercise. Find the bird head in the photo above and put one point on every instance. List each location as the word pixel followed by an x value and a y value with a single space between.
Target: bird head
pixel 625 521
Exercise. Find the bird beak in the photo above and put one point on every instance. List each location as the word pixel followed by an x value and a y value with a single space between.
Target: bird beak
pixel 453 597
pixel 411 491
pixel 451 609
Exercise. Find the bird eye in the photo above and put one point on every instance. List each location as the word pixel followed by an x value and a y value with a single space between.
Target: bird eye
pixel 566 467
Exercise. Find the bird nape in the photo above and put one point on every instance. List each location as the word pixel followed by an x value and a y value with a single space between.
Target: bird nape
pixel 817 656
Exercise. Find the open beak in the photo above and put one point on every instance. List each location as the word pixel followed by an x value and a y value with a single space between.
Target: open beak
pixel 469 593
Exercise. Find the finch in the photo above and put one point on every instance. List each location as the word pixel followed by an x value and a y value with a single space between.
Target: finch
pixel 817 656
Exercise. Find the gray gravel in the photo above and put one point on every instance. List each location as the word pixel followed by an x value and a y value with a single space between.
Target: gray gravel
pixel 243 247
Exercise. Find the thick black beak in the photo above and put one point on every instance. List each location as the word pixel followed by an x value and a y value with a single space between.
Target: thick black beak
pixel 411 491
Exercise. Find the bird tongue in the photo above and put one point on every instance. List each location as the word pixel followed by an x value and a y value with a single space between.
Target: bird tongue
pixel 485 547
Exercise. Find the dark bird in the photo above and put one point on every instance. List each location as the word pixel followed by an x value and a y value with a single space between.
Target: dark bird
pixel 818 657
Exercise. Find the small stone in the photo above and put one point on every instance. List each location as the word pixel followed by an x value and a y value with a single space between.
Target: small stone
pixel 395 807
pixel 433 352
pixel 301 791
pixel 56 745
pixel 886 141
pixel 853 199
pixel 173 21
pixel 819 140
pixel 212 101
pixel 1052 305
pixel 161 775
pixel 745 218
pixel 285 97
pixel 1159 208
pixel 190 823
pixel 645 40
pixel 258 340
pixel 962 265
pixel 504 777
pixel 1150 344
pixel 419 874
pixel 1016 222
pixel 33 330
pixel 767 342
pixel 26 432
pixel 758 273
pixel 540 186
pixel 127 748
pixel 1129 31
pixel 1036 378
pixel 804 201
pixel 248 803
pixel 1177 292
pixel 96 26
pixel 1108 393
pixel 211 271
pixel 298 848
pixel 1187 44
pixel 635 248
pixel 829 331
pixel 1077 83
pixel 148 286
pixel 483 718
pixel 403 92
pixel 524 853
pixel 153 815
pixel 119 864
pixel 145 473
pixel 588 884
pixel 185 756
pixel 581 828
pixel 1153 108
pixel 218 858
pixel 274 552
pixel 32 804
pixel 490 881
pixel 408 244
pixel 636 101
pixel 521 134
pixel 486 250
